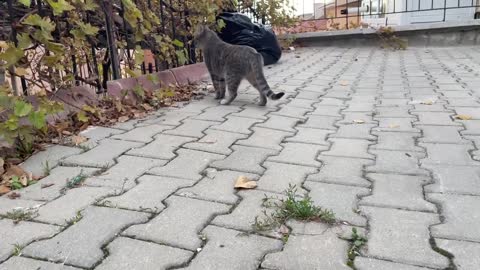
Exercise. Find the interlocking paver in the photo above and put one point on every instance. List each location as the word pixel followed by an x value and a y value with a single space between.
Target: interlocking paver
pixel 364 263
pixel 102 155
pixel 49 158
pixel 356 118
pixel 457 154
pixel 409 245
pixel 265 138
pixel 195 161
pixel 191 128
pixel 19 263
pixel 123 174
pixel 400 162
pixel 441 134
pixel 94 134
pixel 393 112
pixel 255 112
pixel 278 122
pixel 21 234
pixel 396 125
pixel 217 113
pixel 148 195
pixel 461 217
pixel 320 122
pixel 354 132
pixel 299 154
pixel 8 205
pixel 279 176
pixel 398 191
pixel 435 119
pixel 81 244
pixel 162 147
pixel 235 124
pixel 126 253
pixel 65 208
pixel 227 249
pixel 173 117
pixel 465 253
pixel 349 148
pixel 310 136
pixel 454 179
pixel 216 141
pixel 396 141
pixel 342 170
pixel 216 188
pixel 327 111
pixel 341 199
pixel 51 186
pixel 143 134
pixel 179 224
pixel 302 103
pixel 310 246
pixel 245 159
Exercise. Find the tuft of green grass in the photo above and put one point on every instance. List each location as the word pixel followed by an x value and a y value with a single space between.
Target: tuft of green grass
pixel 46 168
pixel 18 215
pixel 291 207
pixel 76 181
pixel 17 250
pixel 75 219
pixel 357 241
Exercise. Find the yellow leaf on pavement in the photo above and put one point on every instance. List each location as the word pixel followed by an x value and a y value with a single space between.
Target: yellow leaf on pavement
pixel 244 182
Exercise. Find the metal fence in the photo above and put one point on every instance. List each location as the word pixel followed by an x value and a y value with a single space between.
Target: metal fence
pixel 106 59
pixel 345 14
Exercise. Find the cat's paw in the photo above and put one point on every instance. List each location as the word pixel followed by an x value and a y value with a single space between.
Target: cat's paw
pixel 277 96
pixel 224 101
pixel 262 103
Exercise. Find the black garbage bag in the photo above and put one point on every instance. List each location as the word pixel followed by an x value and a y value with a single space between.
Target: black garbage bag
pixel 240 30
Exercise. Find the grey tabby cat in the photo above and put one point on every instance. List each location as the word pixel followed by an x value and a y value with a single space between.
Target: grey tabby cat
pixel 229 64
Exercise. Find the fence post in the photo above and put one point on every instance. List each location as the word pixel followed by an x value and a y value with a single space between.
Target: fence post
pixel 112 47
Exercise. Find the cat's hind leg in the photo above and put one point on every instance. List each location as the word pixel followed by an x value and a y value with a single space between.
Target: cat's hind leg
pixel 253 81
pixel 219 85
pixel 233 82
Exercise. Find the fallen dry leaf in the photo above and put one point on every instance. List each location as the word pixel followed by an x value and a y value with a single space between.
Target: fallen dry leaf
pixel 66 132
pixel 78 139
pixel 283 229
pixel 123 119
pixel 428 102
pixel 358 121
pixel 244 182
pixel 463 117
pixel 343 83
pixel 12 171
pixel 393 126
pixel 13 195
pixel 4 189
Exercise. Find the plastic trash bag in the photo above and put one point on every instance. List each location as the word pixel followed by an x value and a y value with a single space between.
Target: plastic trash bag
pixel 240 30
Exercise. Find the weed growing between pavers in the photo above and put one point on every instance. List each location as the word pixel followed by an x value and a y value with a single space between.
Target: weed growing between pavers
pixel 17 250
pixel 76 181
pixel 291 207
pixel 75 219
pixel 18 215
pixel 356 243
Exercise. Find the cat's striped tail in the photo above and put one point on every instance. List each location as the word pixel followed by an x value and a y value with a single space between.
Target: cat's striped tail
pixel 262 84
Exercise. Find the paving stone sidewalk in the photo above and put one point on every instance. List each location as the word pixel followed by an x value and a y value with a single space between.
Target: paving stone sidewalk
pixel 370 134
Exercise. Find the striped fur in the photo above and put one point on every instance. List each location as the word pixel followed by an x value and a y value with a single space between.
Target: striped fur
pixel 229 64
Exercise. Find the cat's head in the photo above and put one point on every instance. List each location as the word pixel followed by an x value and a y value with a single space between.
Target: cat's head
pixel 202 35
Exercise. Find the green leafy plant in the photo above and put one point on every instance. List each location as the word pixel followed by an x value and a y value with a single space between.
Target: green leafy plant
pixel 389 39
pixel 76 181
pixel 357 241
pixel 291 207
pixel 21 214
pixel 17 250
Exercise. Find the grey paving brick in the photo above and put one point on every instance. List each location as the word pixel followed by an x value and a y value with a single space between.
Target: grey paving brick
pixel 396 125
pixel 148 195
pixel 398 191
pixel 179 224
pixel 63 209
pixel 216 188
pixel 399 162
pixel 191 128
pixel 302 103
pixel 216 141
pixel 217 113
pixel 237 125
pixel 393 112
pixel 162 147
pixel 255 112
pixel 454 179
pixel 278 122
pixel 410 244
pixel 457 94
pixel 290 111
pixel 397 141
pixel 354 132
pixel 49 158
pixel 461 217
pixel 441 134
pixel 126 253
pixel 187 165
pixel 356 118
pixel 389 102
pixel 81 244
pixel 122 175
pixel 341 199
pixel 330 102
pixel 310 95
pixel 299 154
pixel 320 122
pixel 457 154
pixel 327 111
pixel 265 138
pixel 462 102
pixel 465 253
pixel 21 263
pixel 243 215
pixel 364 263
pixel 227 249
pixel 21 234
pixel 393 95
pixel 143 134
pixel 245 159
pixel 174 117
pixel 472 127
pixel 8 205
pixel 102 155
pixel 96 134
pixel 310 136
pixel 359 107
pixel 310 246
pixel 342 170
pixel 349 148
pixel 129 125
pixel 435 119
pixel 279 176
pixel 51 186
